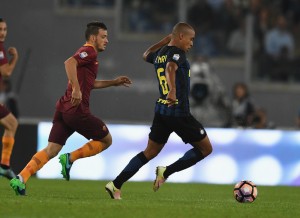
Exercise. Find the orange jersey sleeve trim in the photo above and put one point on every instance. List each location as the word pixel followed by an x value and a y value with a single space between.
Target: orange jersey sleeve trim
pixel 90 45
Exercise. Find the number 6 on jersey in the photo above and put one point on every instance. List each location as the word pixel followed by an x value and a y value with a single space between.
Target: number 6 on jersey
pixel 162 81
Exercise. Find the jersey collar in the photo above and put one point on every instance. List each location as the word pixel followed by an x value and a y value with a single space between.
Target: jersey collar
pixel 88 44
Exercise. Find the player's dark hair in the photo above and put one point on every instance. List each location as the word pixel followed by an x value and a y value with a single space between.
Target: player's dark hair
pixel 92 28
pixel 1 20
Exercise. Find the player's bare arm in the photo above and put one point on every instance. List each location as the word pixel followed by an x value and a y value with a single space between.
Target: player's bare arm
pixel 170 75
pixel 7 69
pixel 119 81
pixel 71 70
pixel 157 46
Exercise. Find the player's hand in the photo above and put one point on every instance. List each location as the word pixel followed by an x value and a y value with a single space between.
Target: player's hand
pixel 76 97
pixel 171 98
pixel 12 51
pixel 122 81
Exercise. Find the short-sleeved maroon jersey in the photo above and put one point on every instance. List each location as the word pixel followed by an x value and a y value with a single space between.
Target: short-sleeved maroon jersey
pixel 87 69
pixel 3 57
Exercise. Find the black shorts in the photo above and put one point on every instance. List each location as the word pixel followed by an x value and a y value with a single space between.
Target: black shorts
pixel 64 125
pixel 187 128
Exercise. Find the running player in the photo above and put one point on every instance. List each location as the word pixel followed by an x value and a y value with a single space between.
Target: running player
pixel 172 113
pixel 72 110
pixel 7 119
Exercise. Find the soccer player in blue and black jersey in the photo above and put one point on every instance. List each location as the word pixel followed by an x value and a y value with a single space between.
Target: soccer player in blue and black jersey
pixel 172 111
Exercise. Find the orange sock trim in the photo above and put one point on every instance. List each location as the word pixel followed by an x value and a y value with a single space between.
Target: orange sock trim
pixel 89 149
pixel 37 162
pixel 7 147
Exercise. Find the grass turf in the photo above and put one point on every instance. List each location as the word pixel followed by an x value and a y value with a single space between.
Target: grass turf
pixel 58 198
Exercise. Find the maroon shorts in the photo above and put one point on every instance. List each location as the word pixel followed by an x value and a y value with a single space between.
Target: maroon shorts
pixel 64 125
pixel 3 111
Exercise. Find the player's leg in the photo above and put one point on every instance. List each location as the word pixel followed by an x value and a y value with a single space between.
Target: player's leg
pixel 137 162
pixel 10 124
pixel 151 151
pixel 39 160
pixel 157 138
pixel 191 131
pixel 114 187
pixel 58 135
pixel 91 148
pixel 35 164
pixel 90 127
pixel 201 149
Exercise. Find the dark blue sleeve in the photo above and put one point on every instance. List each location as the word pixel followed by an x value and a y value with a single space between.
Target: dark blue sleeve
pixel 151 57
pixel 177 56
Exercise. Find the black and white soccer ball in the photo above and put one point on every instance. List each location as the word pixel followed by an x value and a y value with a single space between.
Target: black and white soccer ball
pixel 245 191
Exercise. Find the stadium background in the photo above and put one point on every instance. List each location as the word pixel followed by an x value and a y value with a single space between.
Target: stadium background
pixel 45 35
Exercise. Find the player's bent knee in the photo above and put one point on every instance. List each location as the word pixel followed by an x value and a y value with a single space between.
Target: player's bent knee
pixel 15 125
pixel 205 149
pixel 149 156
pixel 151 153
pixel 52 149
pixel 10 123
pixel 209 150
pixel 107 141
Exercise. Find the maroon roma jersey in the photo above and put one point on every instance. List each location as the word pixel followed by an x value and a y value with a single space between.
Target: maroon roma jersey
pixel 3 58
pixel 87 69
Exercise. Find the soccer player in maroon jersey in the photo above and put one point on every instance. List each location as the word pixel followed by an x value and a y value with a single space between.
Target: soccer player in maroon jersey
pixel 7 119
pixel 72 110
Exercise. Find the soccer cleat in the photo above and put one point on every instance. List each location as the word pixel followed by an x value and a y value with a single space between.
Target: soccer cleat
pixel 66 165
pixel 8 173
pixel 160 179
pixel 18 186
pixel 113 191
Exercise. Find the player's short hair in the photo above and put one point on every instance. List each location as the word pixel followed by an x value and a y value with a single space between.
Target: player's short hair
pixel 1 20
pixel 92 28
pixel 181 27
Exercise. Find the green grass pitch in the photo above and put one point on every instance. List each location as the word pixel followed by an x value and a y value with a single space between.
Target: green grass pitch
pixel 77 198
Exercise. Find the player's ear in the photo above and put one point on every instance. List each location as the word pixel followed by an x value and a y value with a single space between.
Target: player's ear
pixel 93 38
pixel 180 36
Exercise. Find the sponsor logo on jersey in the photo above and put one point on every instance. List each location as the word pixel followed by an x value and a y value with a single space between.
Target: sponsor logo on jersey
pixel 164 101
pixel 1 55
pixel 161 59
pixel 176 57
pixel 83 54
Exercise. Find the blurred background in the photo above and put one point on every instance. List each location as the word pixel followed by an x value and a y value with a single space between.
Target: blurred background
pixel 245 74
pixel 254 42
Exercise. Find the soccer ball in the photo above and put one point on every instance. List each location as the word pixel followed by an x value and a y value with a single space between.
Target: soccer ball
pixel 245 191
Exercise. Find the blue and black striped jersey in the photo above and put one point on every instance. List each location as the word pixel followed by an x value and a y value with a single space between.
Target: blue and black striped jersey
pixel 160 59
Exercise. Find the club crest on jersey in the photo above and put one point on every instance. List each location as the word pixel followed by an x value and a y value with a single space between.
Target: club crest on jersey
pixel 176 57
pixel 83 54
pixel 1 55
